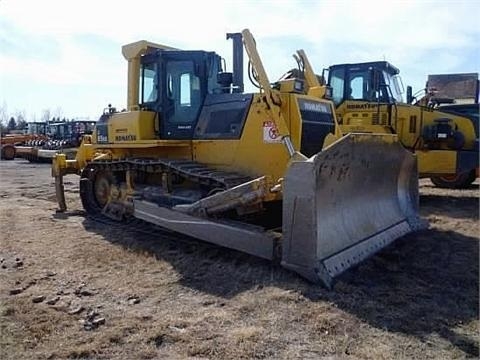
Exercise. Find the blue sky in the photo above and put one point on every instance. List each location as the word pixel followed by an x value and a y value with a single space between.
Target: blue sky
pixel 65 56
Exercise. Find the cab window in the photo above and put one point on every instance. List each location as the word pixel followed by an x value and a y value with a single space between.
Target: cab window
pixel 359 86
pixel 183 91
pixel 337 83
pixel 148 85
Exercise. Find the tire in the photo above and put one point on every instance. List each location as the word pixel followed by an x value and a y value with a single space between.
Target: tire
pixel 8 152
pixel 457 181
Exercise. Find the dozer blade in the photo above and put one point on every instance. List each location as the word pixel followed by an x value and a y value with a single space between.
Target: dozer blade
pixel 346 203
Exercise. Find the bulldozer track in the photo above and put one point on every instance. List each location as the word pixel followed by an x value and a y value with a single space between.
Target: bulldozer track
pixel 189 170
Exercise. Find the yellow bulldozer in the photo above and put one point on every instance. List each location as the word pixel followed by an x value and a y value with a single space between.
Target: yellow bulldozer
pixel 267 173
pixel 368 99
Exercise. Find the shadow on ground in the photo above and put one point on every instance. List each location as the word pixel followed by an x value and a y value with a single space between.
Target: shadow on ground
pixel 424 283
pixel 451 206
pixel 473 186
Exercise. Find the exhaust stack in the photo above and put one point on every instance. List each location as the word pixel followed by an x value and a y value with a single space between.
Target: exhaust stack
pixel 237 61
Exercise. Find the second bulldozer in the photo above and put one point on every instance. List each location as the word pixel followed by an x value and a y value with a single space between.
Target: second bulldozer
pixel 267 173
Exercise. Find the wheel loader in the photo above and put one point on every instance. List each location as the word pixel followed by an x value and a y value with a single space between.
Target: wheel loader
pixel 368 99
pixel 267 173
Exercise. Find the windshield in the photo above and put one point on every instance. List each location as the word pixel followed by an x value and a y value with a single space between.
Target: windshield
pixel 396 85
pixel 35 128
pixel 56 131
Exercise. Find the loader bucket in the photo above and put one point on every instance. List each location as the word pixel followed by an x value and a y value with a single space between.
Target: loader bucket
pixel 346 203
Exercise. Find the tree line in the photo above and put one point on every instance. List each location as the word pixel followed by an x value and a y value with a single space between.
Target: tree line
pixel 18 120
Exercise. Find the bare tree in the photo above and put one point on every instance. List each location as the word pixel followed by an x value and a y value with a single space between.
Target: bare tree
pixel 58 113
pixel 46 114
pixel 21 122
pixel 3 117
pixel 4 113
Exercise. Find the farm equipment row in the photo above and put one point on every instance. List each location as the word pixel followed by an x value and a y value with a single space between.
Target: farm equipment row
pixel 45 139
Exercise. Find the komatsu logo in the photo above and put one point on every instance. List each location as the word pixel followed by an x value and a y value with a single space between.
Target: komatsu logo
pixel 314 106
pixel 125 138
pixel 362 106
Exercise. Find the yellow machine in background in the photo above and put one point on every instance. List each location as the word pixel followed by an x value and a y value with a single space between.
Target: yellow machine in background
pixel 368 99
pixel 269 173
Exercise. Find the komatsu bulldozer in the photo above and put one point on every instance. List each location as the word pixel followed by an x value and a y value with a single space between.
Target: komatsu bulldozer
pixel 267 173
pixel 368 99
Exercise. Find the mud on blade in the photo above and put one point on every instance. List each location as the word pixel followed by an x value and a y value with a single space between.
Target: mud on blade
pixel 346 203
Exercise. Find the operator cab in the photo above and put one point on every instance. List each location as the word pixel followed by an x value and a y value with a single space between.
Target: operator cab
pixel 192 94
pixel 36 128
pixel 377 81
pixel 57 131
pixel 175 84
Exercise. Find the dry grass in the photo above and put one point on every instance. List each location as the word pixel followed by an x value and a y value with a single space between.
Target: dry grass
pixel 161 299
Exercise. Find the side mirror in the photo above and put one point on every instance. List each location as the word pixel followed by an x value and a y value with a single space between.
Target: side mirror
pixel 409 95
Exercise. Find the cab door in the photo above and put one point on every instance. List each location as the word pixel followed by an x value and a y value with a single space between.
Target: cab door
pixel 183 94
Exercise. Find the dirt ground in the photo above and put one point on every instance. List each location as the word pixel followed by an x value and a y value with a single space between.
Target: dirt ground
pixel 72 288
